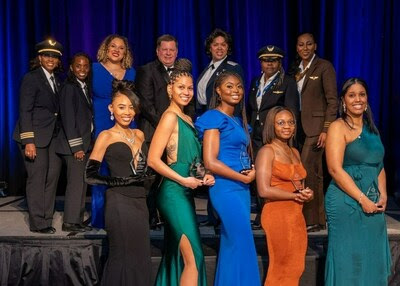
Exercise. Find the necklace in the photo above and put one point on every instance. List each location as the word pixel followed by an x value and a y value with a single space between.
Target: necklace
pixel 130 140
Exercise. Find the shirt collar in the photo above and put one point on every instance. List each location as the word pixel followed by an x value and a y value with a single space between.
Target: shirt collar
pixel 308 66
pixel 48 75
pixel 82 84
pixel 217 64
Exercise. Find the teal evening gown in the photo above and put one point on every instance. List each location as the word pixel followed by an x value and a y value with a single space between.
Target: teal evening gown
pixel 358 248
pixel 176 205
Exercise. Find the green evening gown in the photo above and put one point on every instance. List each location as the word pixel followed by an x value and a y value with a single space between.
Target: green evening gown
pixel 358 249
pixel 176 205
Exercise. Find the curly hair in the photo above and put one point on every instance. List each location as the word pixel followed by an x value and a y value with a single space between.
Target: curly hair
pixel 215 34
pixel 102 52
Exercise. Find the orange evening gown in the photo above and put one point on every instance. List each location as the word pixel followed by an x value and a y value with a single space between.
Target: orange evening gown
pixel 285 229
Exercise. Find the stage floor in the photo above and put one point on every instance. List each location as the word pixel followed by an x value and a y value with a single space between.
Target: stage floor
pixel 21 248
pixel 14 220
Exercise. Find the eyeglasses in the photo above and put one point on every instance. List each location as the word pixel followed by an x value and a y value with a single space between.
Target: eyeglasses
pixel 282 123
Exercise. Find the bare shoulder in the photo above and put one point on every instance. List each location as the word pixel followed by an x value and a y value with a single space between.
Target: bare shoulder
pixel 266 151
pixel 139 133
pixel 169 117
pixel 337 126
pixel 104 135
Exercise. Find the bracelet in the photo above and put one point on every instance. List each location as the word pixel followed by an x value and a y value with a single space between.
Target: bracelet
pixel 359 199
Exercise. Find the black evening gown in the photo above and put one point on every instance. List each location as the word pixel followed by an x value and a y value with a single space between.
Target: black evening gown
pixel 126 223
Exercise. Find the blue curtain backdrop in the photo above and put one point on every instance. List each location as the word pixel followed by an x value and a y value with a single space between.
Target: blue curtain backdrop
pixel 361 38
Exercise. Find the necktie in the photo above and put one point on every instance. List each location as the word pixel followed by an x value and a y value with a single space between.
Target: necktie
pixel 211 67
pixel 259 93
pixel 169 70
pixel 86 92
pixel 300 75
pixel 54 84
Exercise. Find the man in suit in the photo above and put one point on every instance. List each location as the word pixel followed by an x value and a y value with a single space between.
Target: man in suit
pixel 151 83
pixel 316 82
pixel 75 139
pixel 218 46
pixel 36 133
pixel 271 88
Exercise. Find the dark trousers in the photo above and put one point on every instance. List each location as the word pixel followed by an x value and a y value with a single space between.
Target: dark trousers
pixel 41 185
pixel 257 142
pixel 75 192
pixel 312 159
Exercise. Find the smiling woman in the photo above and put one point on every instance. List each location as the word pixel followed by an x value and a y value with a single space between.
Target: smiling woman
pixel 126 215
pixel 36 133
pixel 280 181
pixel 114 62
pixel 183 259
pixel 75 140
pixel 358 248
pixel 226 154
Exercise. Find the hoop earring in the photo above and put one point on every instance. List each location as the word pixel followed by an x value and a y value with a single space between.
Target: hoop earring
pixel 365 110
pixel 112 116
pixel 344 108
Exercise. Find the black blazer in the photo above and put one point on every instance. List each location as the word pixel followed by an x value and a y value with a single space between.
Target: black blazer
pixel 76 115
pixel 38 110
pixel 226 65
pixel 284 95
pixel 151 83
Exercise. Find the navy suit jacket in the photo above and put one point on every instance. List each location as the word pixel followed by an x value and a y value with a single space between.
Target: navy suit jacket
pixel 284 95
pixel 38 110
pixel 76 115
pixel 226 65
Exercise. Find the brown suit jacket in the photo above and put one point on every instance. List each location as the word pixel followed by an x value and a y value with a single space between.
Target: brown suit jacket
pixel 318 98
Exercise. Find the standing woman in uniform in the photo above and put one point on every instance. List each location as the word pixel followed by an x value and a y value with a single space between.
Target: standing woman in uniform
pixel 114 62
pixel 75 140
pixel 316 83
pixel 36 133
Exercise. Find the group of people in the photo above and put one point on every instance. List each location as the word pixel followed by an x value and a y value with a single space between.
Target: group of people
pixel 160 143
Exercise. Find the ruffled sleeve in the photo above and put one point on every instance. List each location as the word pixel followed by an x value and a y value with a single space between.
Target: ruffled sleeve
pixel 213 119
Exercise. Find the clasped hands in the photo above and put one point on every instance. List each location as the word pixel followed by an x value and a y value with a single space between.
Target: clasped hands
pixel 193 183
pixel 304 195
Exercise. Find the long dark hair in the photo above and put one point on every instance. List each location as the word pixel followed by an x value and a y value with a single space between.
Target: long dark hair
pixel 215 101
pixel 367 115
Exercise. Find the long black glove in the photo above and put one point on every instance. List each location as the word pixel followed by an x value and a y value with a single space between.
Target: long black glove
pixel 93 177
